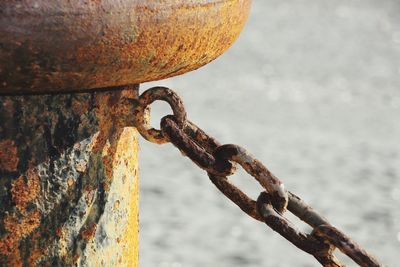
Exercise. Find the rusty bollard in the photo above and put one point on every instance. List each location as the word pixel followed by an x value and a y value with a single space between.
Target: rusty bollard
pixel 69 180
pixel 68 152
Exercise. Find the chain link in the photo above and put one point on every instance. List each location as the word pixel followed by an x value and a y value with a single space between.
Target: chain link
pixel 220 161
pixel 143 109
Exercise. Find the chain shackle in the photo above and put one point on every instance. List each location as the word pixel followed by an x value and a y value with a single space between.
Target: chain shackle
pixel 142 112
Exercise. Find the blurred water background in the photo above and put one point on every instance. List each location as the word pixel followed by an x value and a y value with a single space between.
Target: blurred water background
pixel 312 89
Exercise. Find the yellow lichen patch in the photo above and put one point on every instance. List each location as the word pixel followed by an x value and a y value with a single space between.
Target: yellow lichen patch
pixel 8 156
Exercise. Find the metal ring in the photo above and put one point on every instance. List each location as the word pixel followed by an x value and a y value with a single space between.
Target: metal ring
pixel 256 169
pixel 142 113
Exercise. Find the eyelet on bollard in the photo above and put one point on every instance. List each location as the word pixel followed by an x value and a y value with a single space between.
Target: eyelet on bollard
pixel 256 169
pixel 142 113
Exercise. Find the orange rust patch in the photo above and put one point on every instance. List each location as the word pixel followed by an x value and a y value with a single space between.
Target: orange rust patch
pixel 94 144
pixel 35 255
pixel 75 259
pixel 107 160
pixel 22 192
pixel 112 112
pixel 59 232
pixel 17 228
pixel 25 224
pixel 8 156
pixel 89 232
pixel 107 164
pixel 36 251
pixel 20 223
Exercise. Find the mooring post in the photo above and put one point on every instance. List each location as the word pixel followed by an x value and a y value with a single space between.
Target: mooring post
pixel 69 180
pixel 68 160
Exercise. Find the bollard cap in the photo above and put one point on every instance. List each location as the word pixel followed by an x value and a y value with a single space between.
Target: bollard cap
pixel 59 46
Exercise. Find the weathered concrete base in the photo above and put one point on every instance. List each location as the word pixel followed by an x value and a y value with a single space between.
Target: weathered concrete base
pixel 68 180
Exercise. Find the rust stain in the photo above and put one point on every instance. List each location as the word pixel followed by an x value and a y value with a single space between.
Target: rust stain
pixel 8 156
pixel 21 223
pixel 36 251
pixel 89 195
pixel 23 192
pixel 59 232
pixel 89 232
pixel 112 160
pixel 75 259
pixel 117 146
pixel 112 113
pixel 94 146
pixel 80 107
pixel 132 42
pixel 107 157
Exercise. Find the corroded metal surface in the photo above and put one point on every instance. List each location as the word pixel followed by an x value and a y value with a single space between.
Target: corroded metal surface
pixel 272 203
pixel 68 180
pixel 69 45
pixel 143 109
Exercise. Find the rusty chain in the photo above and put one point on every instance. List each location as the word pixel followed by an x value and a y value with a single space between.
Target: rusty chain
pixel 220 161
